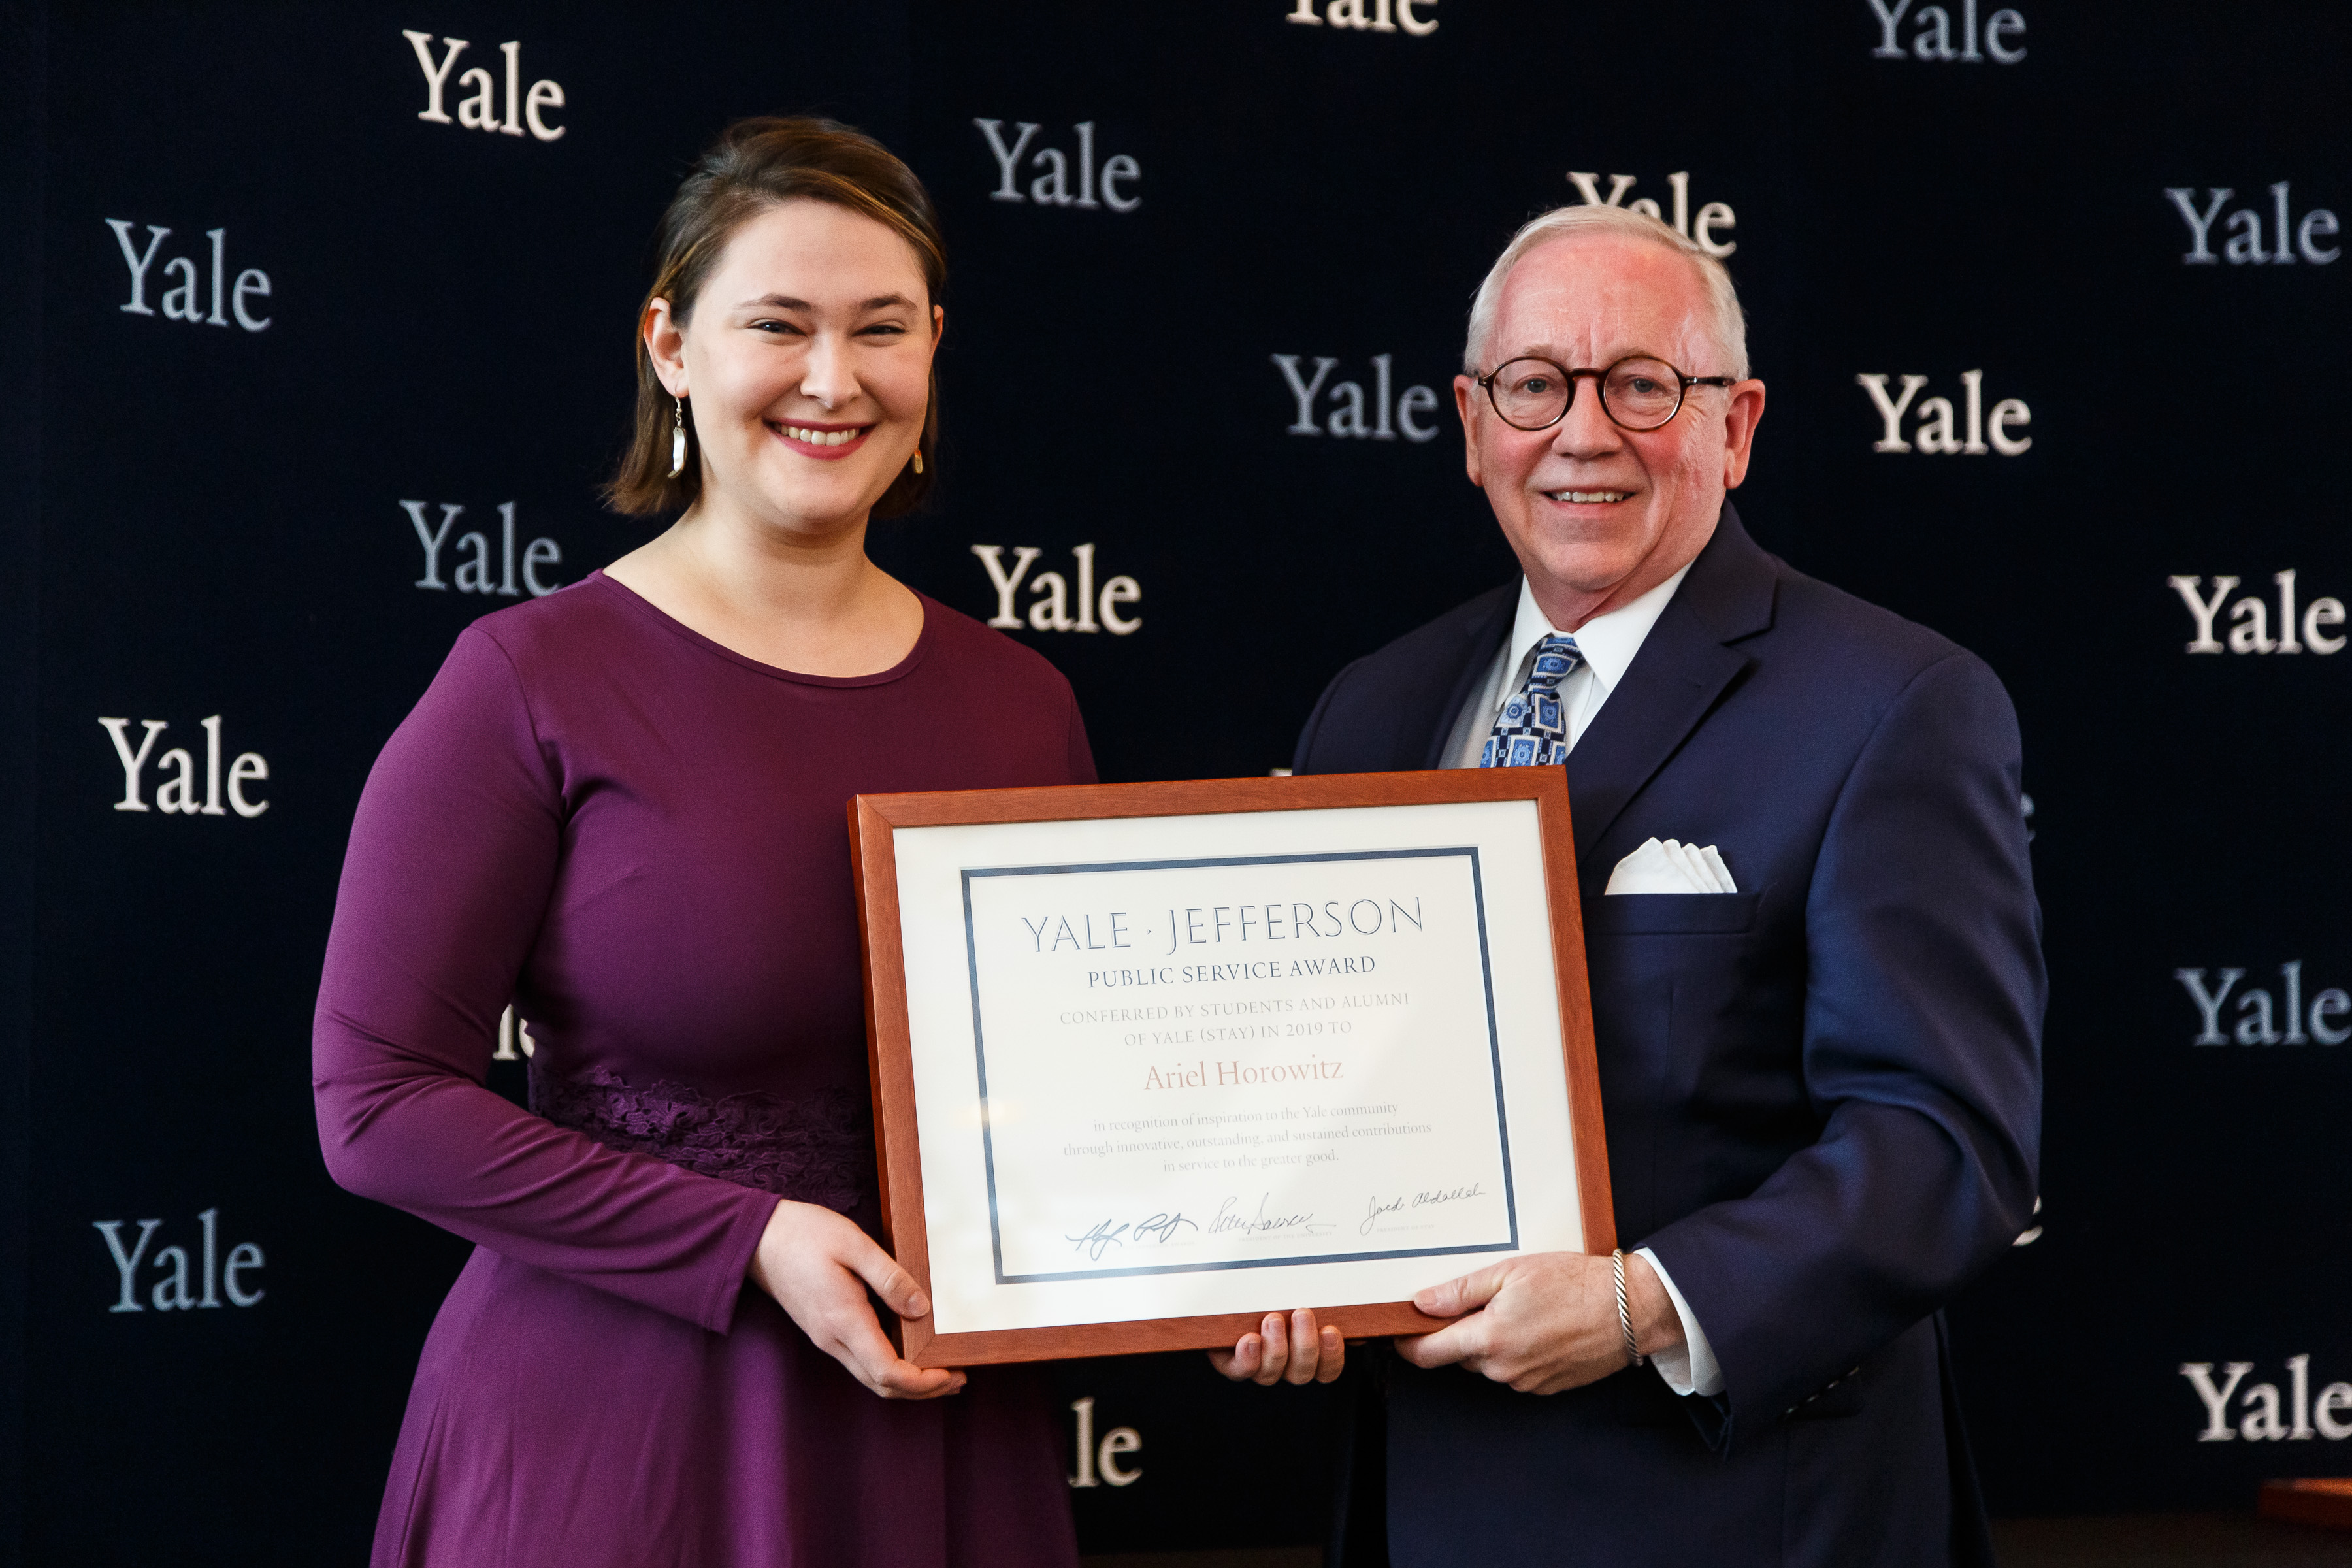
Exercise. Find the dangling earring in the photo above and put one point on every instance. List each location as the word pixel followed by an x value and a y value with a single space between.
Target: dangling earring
pixel 677 438
pixel 918 459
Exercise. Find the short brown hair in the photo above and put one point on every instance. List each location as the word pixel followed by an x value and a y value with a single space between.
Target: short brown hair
pixel 757 164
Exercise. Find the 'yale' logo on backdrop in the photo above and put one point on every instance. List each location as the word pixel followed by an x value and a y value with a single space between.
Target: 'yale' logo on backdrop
pixel 1388 417
pixel 186 291
pixel 1101 1459
pixel 1049 611
pixel 1385 17
pixel 2250 617
pixel 1932 40
pixel 1933 431
pixel 2258 1017
pixel 177 794
pixel 1050 186
pixel 1712 216
pixel 2246 244
pixel 480 111
pixel 513 1032
pixel 473 561
pixel 2262 1421
pixel 170 1292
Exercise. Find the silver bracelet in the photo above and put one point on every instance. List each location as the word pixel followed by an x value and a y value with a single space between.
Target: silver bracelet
pixel 1624 1313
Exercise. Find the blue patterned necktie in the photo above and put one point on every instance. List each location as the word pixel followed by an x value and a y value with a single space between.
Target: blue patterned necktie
pixel 1532 729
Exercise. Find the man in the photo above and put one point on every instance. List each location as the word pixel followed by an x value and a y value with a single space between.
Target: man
pixel 1819 1034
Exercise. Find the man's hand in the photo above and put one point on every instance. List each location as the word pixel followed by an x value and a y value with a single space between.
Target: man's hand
pixel 1295 1352
pixel 819 1266
pixel 1544 1323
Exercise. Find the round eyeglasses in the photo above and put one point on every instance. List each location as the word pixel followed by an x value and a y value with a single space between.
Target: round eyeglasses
pixel 1638 393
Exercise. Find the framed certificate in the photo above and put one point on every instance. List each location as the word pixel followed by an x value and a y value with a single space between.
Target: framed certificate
pixel 1153 1060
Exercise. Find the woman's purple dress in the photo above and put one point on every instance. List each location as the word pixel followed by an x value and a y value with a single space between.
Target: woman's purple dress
pixel 639 838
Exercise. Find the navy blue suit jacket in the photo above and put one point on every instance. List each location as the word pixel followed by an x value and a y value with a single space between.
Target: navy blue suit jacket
pixel 1822 1092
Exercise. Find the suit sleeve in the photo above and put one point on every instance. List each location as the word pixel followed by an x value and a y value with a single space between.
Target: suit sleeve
pixel 452 858
pixel 1921 1056
pixel 1304 759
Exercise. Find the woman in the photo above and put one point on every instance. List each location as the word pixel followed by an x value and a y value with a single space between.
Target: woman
pixel 622 808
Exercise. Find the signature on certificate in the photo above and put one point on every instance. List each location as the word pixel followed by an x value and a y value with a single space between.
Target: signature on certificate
pixel 1231 1221
pixel 1161 1227
pixel 1376 1205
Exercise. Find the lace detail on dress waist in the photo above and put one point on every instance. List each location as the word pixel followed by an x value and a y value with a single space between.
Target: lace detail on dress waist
pixel 816 1149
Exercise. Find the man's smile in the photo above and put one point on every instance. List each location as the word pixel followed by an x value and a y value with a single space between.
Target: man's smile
pixel 1588 498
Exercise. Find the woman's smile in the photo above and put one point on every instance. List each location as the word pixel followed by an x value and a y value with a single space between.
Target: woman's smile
pixel 826 441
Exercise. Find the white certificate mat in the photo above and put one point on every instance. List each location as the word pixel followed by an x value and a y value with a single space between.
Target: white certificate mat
pixel 1212 1063
pixel 1283 1058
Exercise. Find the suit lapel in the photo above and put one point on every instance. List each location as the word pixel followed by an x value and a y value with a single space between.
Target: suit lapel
pixel 1482 639
pixel 1683 668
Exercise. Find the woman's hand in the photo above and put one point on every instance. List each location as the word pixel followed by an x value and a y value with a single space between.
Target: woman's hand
pixel 1296 1352
pixel 818 1266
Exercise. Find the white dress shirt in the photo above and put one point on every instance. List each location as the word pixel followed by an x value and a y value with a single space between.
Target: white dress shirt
pixel 1608 643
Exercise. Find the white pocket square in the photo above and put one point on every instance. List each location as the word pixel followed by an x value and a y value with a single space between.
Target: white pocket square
pixel 1670 867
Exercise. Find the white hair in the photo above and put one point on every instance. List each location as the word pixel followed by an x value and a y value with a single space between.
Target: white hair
pixel 1729 326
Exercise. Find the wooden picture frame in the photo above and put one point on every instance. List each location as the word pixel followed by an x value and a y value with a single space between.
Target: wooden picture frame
pixel 875 823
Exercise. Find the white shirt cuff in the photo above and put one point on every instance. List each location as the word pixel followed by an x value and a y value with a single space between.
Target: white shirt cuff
pixel 1689 1368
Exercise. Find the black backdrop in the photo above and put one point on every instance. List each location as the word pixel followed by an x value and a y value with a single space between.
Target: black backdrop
pixel 203 518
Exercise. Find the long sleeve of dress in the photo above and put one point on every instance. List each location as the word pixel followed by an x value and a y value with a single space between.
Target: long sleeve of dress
pixel 452 858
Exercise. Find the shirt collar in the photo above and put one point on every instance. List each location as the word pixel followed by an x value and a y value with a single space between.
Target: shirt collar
pixel 1607 641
